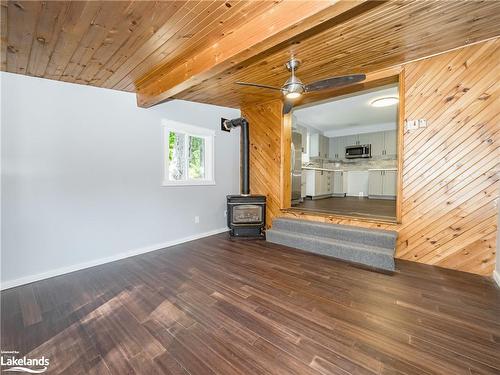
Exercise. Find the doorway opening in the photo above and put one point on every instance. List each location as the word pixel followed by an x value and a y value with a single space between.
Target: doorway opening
pixel 344 157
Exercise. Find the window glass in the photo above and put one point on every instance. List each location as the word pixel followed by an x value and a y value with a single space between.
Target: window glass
pixel 176 156
pixel 196 157
pixel 188 155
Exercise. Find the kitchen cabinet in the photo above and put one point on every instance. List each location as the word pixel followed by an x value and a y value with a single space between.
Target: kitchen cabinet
pixel 389 183
pixel 338 183
pixel 303 184
pixel 375 182
pixel 319 146
pixel 338 145
pixel 382 183
pixel 365 139
pixel 337 148
pixel 383 144
pixel 377 142
pixel 390 142
pixel 326 147
pixel 303 132
pixel 318 183
pixel 350 140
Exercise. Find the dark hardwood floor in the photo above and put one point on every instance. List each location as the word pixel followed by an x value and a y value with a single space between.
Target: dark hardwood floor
pixel 214 306
pixel 352 206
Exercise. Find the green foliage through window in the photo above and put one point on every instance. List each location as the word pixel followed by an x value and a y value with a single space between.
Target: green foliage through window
pixel 186 152
pixel 171 145
pixel 196 157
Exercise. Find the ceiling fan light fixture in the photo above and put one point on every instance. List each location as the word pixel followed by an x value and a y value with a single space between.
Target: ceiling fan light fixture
pixel 293 95
pixel 384 102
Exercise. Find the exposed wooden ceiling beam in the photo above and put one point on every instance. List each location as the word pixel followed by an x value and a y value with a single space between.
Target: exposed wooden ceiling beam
pixel 286 22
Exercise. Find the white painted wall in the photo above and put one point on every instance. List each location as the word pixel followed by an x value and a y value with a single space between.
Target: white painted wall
pixel 82 173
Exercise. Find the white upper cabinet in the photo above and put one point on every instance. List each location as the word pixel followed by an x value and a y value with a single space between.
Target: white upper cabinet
pixel 366 139
pixel 390 142
pixel 350 140
pixel 303 132
pixel 337 148
pixel 325 146
pixel 314 145
pixel 319 146
pixel 377 142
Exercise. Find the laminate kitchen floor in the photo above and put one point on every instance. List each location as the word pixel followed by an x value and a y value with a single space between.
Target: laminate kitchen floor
pixel 217 306
pixel 352 206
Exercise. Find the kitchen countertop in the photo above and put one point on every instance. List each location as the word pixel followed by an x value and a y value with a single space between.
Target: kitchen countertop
pixel 324 169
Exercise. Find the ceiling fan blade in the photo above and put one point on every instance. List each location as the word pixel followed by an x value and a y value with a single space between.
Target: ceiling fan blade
pixel 287 106
pixel 258 85
pixel 331 83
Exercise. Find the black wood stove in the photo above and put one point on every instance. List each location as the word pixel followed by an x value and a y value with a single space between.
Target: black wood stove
pixel 246 213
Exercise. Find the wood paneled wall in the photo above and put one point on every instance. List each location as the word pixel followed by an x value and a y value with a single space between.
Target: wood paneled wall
pixel 450 174
pixel 450 169
pixel 265 153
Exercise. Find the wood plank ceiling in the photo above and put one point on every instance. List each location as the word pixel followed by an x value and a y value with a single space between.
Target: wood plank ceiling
pixel 391 34
pixel 119 44
pixel 112 43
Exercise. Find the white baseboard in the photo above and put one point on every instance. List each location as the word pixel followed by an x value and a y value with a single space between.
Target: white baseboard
pixel 76 267
pixel 496 277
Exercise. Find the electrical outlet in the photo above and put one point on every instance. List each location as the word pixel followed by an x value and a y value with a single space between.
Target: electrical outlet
pixel 422 123
pixel 196 219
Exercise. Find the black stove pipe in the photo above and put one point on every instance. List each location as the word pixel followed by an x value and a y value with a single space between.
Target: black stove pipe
pixel 244 150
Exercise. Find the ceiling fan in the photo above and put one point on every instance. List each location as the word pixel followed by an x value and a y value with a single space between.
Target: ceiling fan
pixel 294 88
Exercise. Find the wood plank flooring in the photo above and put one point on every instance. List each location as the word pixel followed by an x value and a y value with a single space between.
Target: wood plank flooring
pixel 216 306
pixel 352 206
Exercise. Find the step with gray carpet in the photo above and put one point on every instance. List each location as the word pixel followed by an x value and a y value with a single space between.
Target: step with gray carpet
pixel 371 247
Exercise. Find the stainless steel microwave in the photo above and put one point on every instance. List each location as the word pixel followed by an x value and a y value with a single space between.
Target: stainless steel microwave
pixel 358 151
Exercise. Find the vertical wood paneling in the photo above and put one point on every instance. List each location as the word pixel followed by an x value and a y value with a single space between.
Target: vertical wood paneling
pixel 450 178
pixel 450 175
pixel 265 153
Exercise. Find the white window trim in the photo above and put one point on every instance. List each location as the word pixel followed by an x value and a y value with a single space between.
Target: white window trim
pixel 189 130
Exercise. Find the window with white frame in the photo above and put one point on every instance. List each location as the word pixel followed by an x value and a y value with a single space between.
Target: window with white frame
pixel 189 154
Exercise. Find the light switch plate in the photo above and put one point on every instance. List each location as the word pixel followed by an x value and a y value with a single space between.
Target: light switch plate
pixel 411 124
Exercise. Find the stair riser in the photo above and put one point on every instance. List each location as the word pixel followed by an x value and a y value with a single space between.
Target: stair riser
pixel 350 254
pixel 339 252
pixel 365 238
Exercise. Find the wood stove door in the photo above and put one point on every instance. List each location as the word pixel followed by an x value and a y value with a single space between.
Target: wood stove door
pixel 247 214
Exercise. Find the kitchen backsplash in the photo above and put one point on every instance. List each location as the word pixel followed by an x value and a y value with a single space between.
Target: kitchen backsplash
pixel 355 164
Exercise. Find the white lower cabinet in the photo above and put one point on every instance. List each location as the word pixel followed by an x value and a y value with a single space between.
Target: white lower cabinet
pixel 303 184
pixel 318 183
pixel 389 183
pixel 382 183
pixel 338 183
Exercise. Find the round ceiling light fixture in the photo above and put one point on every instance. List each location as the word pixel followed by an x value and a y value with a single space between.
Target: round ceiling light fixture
pixel 293 95
pixel 384 102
